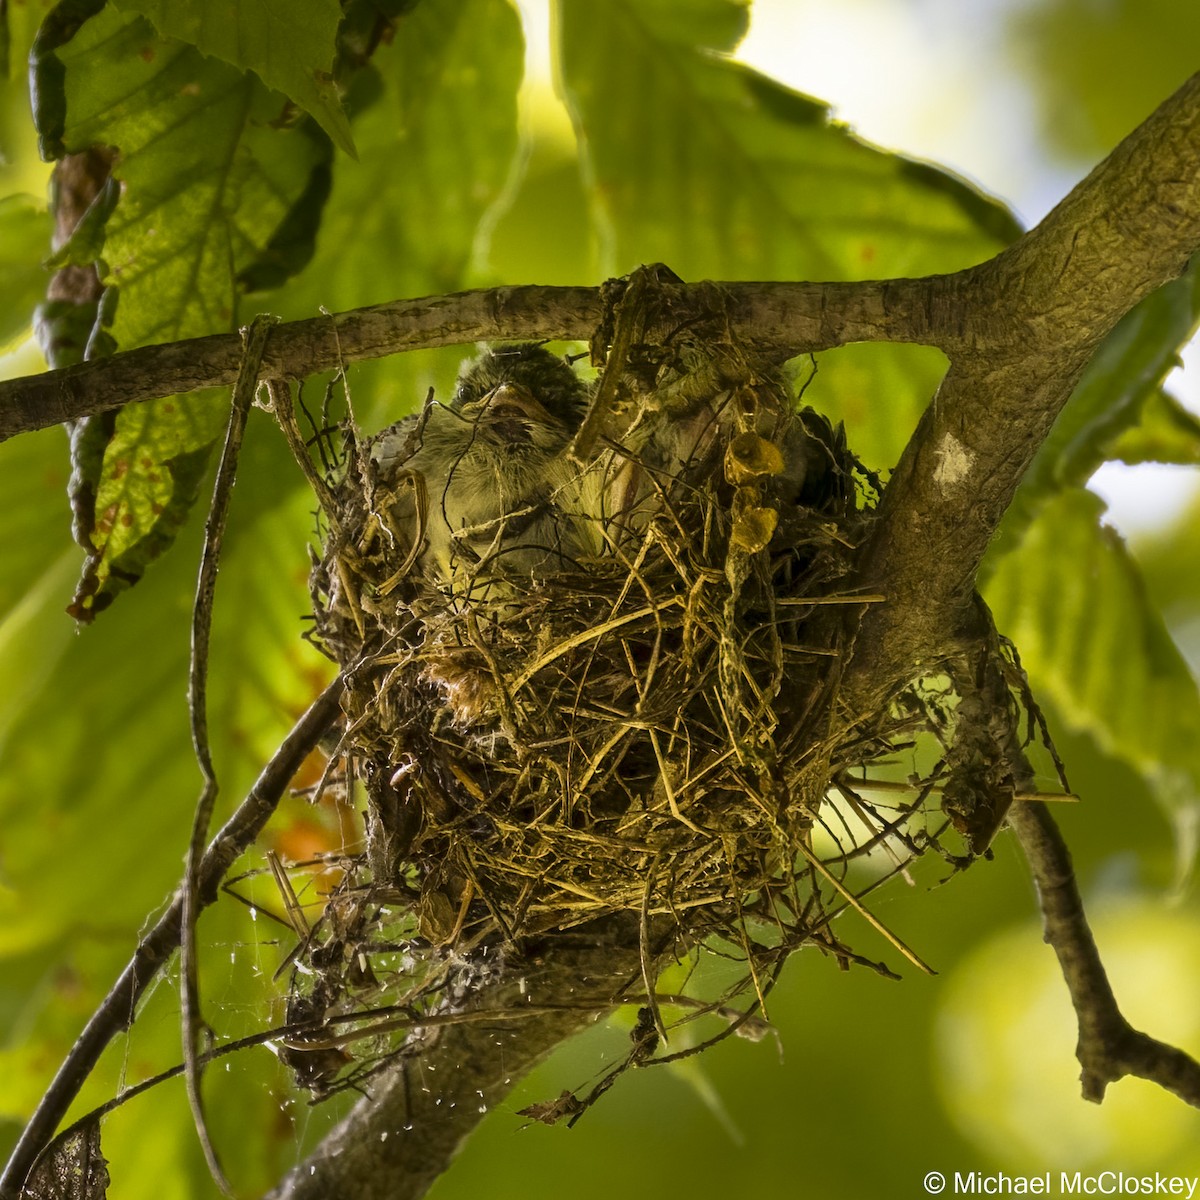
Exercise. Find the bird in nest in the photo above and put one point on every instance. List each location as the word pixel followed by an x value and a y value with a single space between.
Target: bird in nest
pixel 493 495
pixel 486 500
pixel 489 497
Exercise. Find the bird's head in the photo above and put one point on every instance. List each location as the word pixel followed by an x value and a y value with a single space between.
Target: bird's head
pixel 514 389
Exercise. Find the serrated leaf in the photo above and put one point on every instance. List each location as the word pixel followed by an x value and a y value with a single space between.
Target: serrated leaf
pixel 1072 599
pixel 720 172
pixel 288 44
pixel 209 188
pixel 438 144
pixel 206 179
pixel 292 244
pixel 25 229
pixel 1123 376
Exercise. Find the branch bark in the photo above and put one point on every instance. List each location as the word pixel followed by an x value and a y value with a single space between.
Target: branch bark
pixel 397 1141
pixel 1030 320
pixel 1109 1048
pixel 799 317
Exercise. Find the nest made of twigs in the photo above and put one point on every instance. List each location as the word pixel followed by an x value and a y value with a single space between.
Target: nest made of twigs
pixel 639 733
pixel 643 730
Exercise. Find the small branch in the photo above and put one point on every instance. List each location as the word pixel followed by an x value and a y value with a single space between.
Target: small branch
pixel 191 1016
pixel 993 768
pixel 792 317
pixel 1109 1048
pixel 116 1011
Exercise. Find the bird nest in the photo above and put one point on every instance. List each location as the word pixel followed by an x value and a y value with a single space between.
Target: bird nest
pixel 636 721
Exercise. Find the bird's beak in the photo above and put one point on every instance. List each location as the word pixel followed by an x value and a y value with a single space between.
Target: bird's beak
pixel 511 400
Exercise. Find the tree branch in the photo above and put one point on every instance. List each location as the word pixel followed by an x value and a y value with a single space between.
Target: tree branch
pixel 798 317
pixel 1109 1048
pixel 397 1141
pixel 1030 320
pixel 118 1008
pixel 991 758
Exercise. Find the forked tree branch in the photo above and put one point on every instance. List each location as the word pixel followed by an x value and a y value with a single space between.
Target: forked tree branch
pixel 1030 319
pixel 1109 1048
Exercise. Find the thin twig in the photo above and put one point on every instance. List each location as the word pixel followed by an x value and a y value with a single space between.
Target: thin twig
pixel 280 392
pixel 1109 1048
pixel 117 1009
pixel 202 610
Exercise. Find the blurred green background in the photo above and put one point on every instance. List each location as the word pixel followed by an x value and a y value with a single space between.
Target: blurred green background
pixel 665 150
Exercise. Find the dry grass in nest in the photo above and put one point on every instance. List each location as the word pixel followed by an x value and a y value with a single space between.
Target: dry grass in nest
pixel 645 732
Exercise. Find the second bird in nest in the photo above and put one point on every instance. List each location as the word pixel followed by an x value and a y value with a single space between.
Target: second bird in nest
pixel 494 495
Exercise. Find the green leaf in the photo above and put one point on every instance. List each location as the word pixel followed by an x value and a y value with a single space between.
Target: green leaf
pixel 438 142
pixel 33 481
pixel 207 179
pixel 720 172
pixel 25 229
pixel 1072 599
pixel 1132 363
pixel 437 148
pixel 20 168
pixel 718 25
pixel 288 44
pixel 544 235
pixel 116 762
pixel 209 188
pixel 33 636
pixel 1097 69
pixel 1165 433
pixel 263 670
pixel 1118 385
